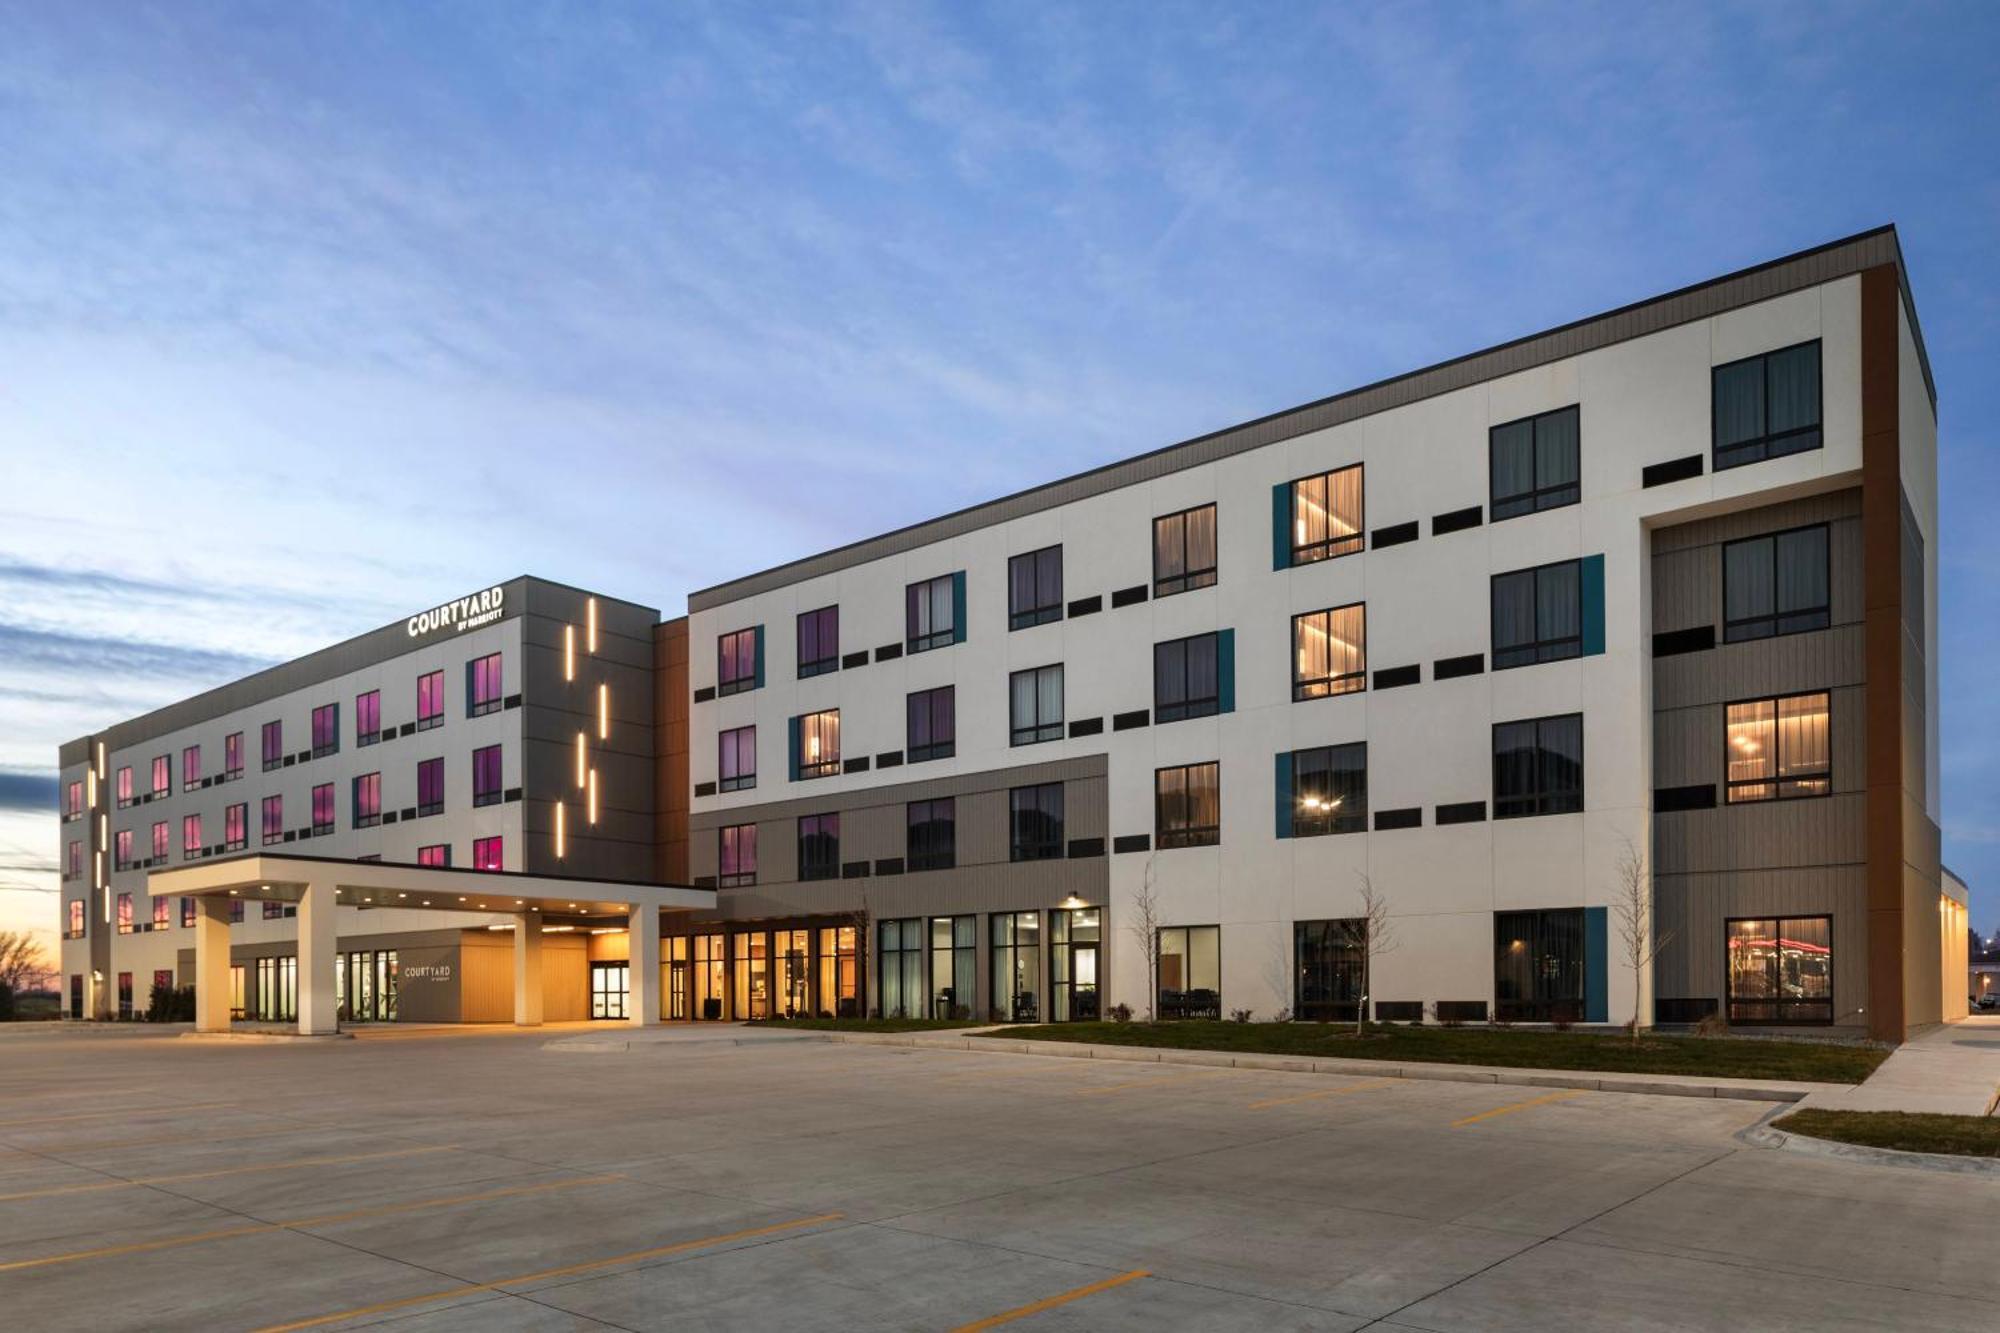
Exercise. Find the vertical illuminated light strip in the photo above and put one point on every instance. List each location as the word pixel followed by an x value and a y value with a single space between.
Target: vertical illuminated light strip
pixel 90 787
pixel 590 620
pixel 569 652
pixel 559 830
pixel 581 760
pixel 603 712
pixel 593 796
pixel 100 761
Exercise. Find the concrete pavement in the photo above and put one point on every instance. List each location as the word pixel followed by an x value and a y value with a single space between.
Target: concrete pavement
pixel 1950 1070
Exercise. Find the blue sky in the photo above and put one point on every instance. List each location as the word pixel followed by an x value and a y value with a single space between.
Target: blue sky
pixel 313 315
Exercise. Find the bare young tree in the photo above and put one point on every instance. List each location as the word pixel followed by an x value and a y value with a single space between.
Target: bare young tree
pixel 21 960
pixel 1145 928
pixel 1632 908
pixel 1373 934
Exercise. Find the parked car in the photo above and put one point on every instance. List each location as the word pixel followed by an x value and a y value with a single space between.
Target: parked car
pixel 1987 1002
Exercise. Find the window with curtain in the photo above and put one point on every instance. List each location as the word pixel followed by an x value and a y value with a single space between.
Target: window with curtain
pixel 368 717
pixel 190 768
pixel 1326 515
pixel 366 805
pixel 1538 766
pixel 430 786
pixel 736 855
pixel 273 814
pixel 273 737
pixel 486 778
pixel 736 759
pixel 437 854
pixel 1035 705
pixel 1329 963
pixel 160 841
pixel 191 840
pixel 1036 832
pixel 1538 615
pixel 232 756
pixel 487 854
pixel 933 724
pixel 1779 749
pixel 1035 588
pixel 121 856
pixel 1330 790
pixel 322 809
pixel 900 958
pixel 1767 406
pixel 736 661
pixel 1184 551
pixel 235 828
pixel 1187 805
pixel 1533 463
pixel 124 786
pixel 932 835
pixel 1330 652
pixel 430 700
pixel 1775 584
pixel 930 618
pixel 325 730
pixel 162 782
pixel 819 744
pixel 819 641
pixel 1185 679
pixel 1781 970
pixel 487 686
pixel 819 846
pixel 1190 963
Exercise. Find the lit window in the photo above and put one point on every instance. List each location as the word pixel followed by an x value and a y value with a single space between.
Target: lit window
pixel 232 756
pixel 1776 584
pixel 1035 588
pixel 161 842
pixel 273 819
pixel 368 717
pixel 819 641
pixel 121 858
pixel 162 780
pixel 75 931
pixel 1184 551
pixel 1538 615
pixel 736 662
pixel 73 801
pixel 322 809
pixel 190 836
pixel 933 724
pixel 819 744
pixel 1779 749
pixel 1326 516
pixel 487 854
pixel 1035 705
pixel 484 686
pixel 1781 970
pixel 1187 805
pixel 366 805
pixel 1330 790
pixel 191 768
pixel 930 613
pixel 236 827
pixel 430 787
pixel 430 700
pixel 124 786
pixel 486 779
pixel 187 912
pixel 274 745
pixel 737 855
pixel 737 759
pixel 325 730
pixel 1533 464
pixel 124 914
pixel 437 854
pixel 75 859
pixel 1330 652
pixel 1767 406
pixel 163 914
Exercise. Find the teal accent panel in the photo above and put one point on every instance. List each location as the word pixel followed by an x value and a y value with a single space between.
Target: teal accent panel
pixel 468 692
pixel 1225 669
pixel 1593 605
pixel 792 747
pixel 1284 794
pixel 1281 525
pixel 958 607
pixel 1596 962
pixel 758 680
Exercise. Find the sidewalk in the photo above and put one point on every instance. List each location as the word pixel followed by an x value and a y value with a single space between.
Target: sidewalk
pixel 1953 1070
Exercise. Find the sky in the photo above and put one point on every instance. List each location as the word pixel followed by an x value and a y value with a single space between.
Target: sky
pixel 314 315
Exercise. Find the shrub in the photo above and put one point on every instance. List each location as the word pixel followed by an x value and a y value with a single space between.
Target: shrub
pixel 169 1004
pixel 1240 1015
pixel 1712 1025
pixel 1282 1016
pixel 1121 1013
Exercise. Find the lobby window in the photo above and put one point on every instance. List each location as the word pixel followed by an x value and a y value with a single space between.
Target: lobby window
pixel 1776 584
pixel 488 854
pixel 931 612
pixel 1328 962
pixel 1330 790
pixel 163 914
pixel 1035 588
pixel 366 803
pixel 368 717
pixel 819 744
pixel 187 913
pixel 1767 406
pixel 1035 705
pixel 486 778
pixel 73 800
pixel 1538 965
pixel 1036 822
pixel 430 786
pixel 933 724
pixel 1781 970
pixel 1330 652
pixel 273 819
pixel 161 842
pixel 1327 516
pixel 75 859
pixel 954 963
pixel 274 745
pixel 1779 749
pixel 819 846
pixel 484 686
pixel 124 914
pixel 1014 948
pixel 901 949
pixel 736 855
pixel 322 809
pixel 1184 551
pixel 430 700
pixel 1533 464
pixel 1190 963
pixel 436 854
pixel 236 827
pixel 190 768
pixel 162 781
pixel 933 834
pixel 232 756
pixel 736 759
pixel 75 929
pixel 819 641
pixel 125 987
pixel 1538 615
pixel 124 786
pixel 121 857
pixel 1186 681
pixel 1538 766
pixel 736 662
pixel 325 730
pixel 1187 805
pixel 190 837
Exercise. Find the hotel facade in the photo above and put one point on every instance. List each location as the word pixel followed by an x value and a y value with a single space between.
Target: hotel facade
pixel 1654 590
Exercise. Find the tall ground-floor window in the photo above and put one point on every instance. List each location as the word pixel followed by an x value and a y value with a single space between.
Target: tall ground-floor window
pixel 610 987
pixel 791 964
pixel 1328 962
pixel 364 985
pixel 709 971
pixel 124 994
pixel 76 995
pixel 239 987
pixel 1076 942
pixel 953 964
pixel 1781 970
pixel 1015 940
pixel 839 972
pixel 1191 972
pixel 752 993
pixel 278 989
pixel 674 956
pixel 901 967
pixel 1538 965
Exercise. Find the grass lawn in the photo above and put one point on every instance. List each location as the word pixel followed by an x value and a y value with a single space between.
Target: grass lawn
pixel 865 1024
pixel 1722 1057
pixel 1964 1135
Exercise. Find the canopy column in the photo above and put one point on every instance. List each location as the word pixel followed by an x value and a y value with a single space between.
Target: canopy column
pixel 211 965
pixel 319 1012
pixel 643 930
pixel 527 969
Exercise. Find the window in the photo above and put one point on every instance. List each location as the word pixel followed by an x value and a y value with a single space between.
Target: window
pixel 1533 464
pixel 1329 959
pixel 436 854
pixel 366 807
pixel 1190 962
pixel 190 837
pixel 902 962
pixel 1781 970
pixel 236 827
pixel 124 786
pixel 1538 965
pixel 736 662
pixel 187 913
pixel 162 782
pixel 483 686
pixel 125 992
pixel 74 931
pixel 368 717
pixel 190 768
pixel 931 613
pixel 325 730
pixel 954 958
pixel 274 745
pixel 1538 766
pixel 485 777
pixel 487 854
pixel 1330 790
pixel 819 744
pixel 1779 749
pixel 124 914
pixel 1035 588
pixel 819 846
pixel 1184 551
pixel 236 918
pixel 819 641
pixel 232 756
pixel 75 859
pixel 1538 615
pixel 1326 516
pixel 430 787
pixel 163 913
pixel 160 842
pixel 73 798
pixel 1767 406
pixel 933 724
pixel 736 763
pixel 1330 652
pixel 1035 705
pixel 1187 805
pixel 121 857
pixel 1036 822
pixel 273 819
pixel 430 700
pixel 1776 584
pixel 1185 680
pixel 322 809
pixel 736 860
pixel 933 842
pixel 1014 943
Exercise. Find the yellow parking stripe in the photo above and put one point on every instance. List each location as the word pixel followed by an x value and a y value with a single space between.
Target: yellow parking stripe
pixel 1324 1092
pixel 1517 1106
pixel 297 1165
pixel 1051 1302
pixel 473 1289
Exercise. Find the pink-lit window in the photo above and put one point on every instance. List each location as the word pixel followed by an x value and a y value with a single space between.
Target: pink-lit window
pixel 483 686
pixel 162 775
pixel 73 801
pixel 124 786
pixel 430 786
pixel 162 978
pixel 190 836
pixel 236 827
pixel 232 756
pixel 326 730
pixel 367 800
pixel 438 854
pixel 430 701
pixel 738 859
pixel 187 912
pixel 323 809
pixel 736 661
pixel 124 914
pixel 274 819
pixel 163 914
pixel 368 717
pixel 737 759
pixel 121 841
pixel 75 931
pixel 486 854
pixel 486 775
pixel 160 844
pixel 235 910
pixel 190 768
pixel 274 745
pixel 75 859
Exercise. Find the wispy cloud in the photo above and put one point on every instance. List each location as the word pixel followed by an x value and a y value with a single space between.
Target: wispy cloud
pixel 27 791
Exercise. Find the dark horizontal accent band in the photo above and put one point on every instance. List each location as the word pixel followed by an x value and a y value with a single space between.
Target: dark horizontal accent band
pixel 888 652
pixel 889 866
pixel 1699 796
pixel 1461 1011
pixel 1388 678
pixel 854 870
pixel 1087 726
pixel 892 759
pixel 511 794
pixel 704 789
pixel 1127 721
pixel 511 701
pixel 1399 1011
pixel 704 881
pixel 858 764
pixel 849 661
pixel 1086 606
pixel 1458 520
pixel 1675 642
pixel 1413 817
pixel 1082 847
pixel 1393 535
pixel 1462 812
pixel 704 694
pixel 1451 668
pixel 1133 842
pixel 1129 596
pixel 1674 469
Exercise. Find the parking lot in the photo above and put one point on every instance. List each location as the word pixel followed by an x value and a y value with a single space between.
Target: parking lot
pixel 720 1180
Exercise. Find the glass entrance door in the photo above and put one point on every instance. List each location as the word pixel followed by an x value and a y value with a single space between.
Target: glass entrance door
pixel 1076 936
pixel 791 953
pixel 610 984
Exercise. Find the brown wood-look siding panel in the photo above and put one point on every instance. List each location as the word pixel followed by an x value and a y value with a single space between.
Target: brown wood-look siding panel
pixel 486 980
pixel 565 979
pixel 1695 909
pixel 1881 521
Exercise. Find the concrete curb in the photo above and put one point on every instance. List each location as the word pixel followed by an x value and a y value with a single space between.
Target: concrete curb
pixel 1653 1085
pixel 1762 1135
pixel 265 1038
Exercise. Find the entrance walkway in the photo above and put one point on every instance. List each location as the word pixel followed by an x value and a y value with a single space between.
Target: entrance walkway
pixel 1951 1070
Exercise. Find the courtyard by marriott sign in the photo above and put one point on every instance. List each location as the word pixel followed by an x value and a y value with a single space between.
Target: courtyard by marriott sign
pixel 481 608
